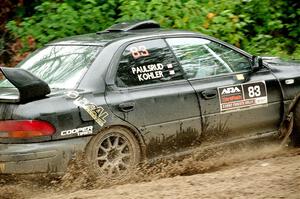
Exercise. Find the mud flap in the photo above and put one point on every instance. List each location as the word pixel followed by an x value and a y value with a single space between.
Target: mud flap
pixel 286 128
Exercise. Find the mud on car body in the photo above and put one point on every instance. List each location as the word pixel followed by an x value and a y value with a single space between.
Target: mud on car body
pixel 136 91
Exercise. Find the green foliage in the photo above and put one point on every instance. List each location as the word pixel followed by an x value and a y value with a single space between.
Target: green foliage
pixel 262 27
pixel 55 20
pixel 265 27
pixel 213 18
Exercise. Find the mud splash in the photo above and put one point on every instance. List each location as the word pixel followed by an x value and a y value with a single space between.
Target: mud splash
pixel 202 161
pixel 25 186
pixel 79 178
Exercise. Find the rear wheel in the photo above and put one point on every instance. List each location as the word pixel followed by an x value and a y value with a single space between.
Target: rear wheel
pixel 295 135
pixel 113 153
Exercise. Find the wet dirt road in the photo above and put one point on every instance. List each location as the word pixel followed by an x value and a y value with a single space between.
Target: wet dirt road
pixel 261 173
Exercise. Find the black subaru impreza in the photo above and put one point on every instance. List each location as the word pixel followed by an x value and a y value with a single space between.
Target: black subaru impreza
pixel 135 91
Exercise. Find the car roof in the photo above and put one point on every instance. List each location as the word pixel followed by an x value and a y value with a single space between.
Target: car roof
pixel 104 38
pixel 119 31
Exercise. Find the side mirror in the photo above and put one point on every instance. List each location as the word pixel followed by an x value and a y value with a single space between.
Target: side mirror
pixel 257 63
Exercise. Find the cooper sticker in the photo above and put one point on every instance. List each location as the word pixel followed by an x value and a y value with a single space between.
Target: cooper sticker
pixel 243 95
pixel 79 131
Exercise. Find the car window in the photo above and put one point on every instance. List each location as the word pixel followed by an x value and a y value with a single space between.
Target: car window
pixel 59 66
pixel 147 62
pixel 203 58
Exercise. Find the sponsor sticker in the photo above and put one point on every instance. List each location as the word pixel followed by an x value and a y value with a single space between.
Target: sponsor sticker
pixel 240 77
pixel 79 131
pixel 242 95
pixel 96 112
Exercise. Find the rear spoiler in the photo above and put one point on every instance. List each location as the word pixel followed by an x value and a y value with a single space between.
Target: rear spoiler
pixel 29 86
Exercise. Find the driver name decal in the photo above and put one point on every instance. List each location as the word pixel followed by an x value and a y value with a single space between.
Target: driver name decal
pixel 243 95
pixel 151 71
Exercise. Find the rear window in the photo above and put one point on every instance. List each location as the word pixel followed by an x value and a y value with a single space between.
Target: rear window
pixel 59 66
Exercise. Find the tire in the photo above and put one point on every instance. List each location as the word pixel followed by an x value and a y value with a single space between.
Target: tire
pixel 113 153
pixel 295 135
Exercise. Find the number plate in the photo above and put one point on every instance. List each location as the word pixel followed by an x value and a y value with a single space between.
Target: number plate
pixel 242 95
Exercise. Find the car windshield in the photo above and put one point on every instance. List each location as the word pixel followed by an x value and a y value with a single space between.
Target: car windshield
pixel 59 66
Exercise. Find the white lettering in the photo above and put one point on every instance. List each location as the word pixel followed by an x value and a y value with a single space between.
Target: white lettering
pixel 72 94
pixel 160 66
pixel 140 77
pixel 79 131
pixel 147 68
pixel 133 70
pixel 231 90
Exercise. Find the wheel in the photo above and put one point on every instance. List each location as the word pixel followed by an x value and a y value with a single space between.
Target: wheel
pixel 295 135
pixel 113 153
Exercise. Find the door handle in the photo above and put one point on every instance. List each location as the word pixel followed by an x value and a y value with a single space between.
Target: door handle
pixel 209 94
pixel 126 106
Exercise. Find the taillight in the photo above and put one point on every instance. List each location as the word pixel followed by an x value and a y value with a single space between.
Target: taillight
pixel 25 128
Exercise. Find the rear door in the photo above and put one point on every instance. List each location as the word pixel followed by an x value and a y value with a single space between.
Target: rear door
pixel 151 93
pixel 234 102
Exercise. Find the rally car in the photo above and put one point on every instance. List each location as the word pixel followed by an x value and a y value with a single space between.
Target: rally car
pixel 136 91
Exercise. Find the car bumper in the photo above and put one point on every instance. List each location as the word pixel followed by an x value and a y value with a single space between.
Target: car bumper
pixel 46 157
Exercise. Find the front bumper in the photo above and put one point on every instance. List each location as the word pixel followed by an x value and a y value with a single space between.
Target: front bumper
pixel 45 157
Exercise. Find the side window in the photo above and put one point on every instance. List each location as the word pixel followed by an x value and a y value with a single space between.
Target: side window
pixel 235 60
pixel 147 62
pixel 203 58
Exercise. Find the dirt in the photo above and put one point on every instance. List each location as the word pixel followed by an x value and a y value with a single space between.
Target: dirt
pixel 247 172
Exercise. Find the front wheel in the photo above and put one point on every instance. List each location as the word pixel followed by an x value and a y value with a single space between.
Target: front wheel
pixel 295 135
pixel 113 153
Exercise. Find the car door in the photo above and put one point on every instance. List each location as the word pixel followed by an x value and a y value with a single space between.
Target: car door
pixel 150 92
pixel 235 102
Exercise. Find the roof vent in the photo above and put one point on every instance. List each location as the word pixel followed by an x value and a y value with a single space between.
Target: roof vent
pixel 133 25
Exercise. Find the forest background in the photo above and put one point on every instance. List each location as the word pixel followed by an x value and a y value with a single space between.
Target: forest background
pixel 261 27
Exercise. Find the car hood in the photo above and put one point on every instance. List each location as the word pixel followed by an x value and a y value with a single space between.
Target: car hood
pixel 277 63
pixel 283 69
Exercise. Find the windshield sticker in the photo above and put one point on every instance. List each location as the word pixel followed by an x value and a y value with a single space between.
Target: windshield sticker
pixel 140 51
pixel 96 112
pixel 79 131
pixel 240 77
pixel 243 95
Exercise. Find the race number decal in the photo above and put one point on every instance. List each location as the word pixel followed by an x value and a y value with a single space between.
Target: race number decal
pixel 255 90
pixel 243 95
pixel 139 51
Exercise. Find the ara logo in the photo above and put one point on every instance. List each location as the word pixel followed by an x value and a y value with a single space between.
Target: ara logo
pixel 230 90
